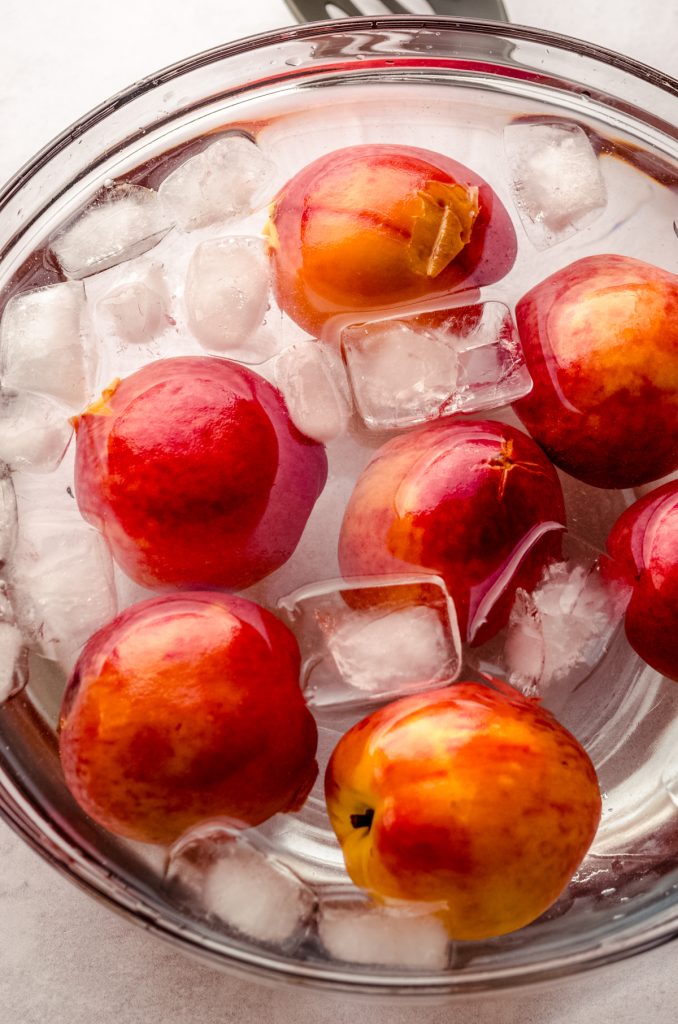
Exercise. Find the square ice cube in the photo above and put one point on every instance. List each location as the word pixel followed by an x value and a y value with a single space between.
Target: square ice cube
pixel 355 930
pixel 555 179
pixel 415 369
pixel 34 431
pixel 227 293
pixel 313 382
pixel 225 181
pixel 232 875
pixel 400 373
pixel 373 639
pixel 61 583
pixel 122 222
pixel 136 309
pixel 8 515
pixel 44 343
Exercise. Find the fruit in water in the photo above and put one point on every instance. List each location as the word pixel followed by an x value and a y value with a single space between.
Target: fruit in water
pixel 643 556
pixel 196 475
pixel 600 339
pixel 187 707
pixel 475 502
pixel 367 227
pixel 474 799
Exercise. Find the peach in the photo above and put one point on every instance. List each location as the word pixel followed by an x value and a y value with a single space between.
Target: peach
pixel 369 227
pixel 601 343
pixel 196 475
pixel 474 800
pixel 643 556
pixel 187 707
pixel 475 502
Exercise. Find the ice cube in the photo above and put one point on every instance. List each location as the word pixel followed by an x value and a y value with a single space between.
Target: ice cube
pixel 61 583
pixel 233 876
pixel 414 369
pixel 400 374
pixel 227 180
pixel 136 309
pixel 555 179
pixel 374 638
pixel 562 630
pixel 34 431
pixel 8 517
pixel 357 931
pixel 226 295
pixel 313 382
pixel 13 660
pixel 122 222
pixel 43 335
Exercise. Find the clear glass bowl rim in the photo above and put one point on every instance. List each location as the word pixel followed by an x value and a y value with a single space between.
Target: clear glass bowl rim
pixel 18 811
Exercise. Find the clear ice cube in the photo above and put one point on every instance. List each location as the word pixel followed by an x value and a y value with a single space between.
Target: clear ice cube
pixel 136 310
pixel 13 660
pixel 8 514
pixel 43 343
pixel 122 222
pixel 313 382
pixel 232 875
pixel 225 181
pixel 373 639
pixel 555 179
pixel 355 930
pixel 561 631
pixel 61 584
pixel 34 431
pixel 408 371
pixel 226 294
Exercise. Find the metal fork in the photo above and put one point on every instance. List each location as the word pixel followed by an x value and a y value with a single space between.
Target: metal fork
pixel 319 10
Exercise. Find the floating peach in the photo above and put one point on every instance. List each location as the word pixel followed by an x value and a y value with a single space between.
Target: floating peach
pixel 187 707
pixel 369 227
pixel 196 475
pixel 600 339
pixel 474 800
pixel 475 502
pixel 643 556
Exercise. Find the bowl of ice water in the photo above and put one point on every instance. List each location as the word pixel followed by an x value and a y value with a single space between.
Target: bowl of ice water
pixel 143 235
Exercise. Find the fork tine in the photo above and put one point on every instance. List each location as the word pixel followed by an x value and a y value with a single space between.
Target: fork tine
pixel 316 10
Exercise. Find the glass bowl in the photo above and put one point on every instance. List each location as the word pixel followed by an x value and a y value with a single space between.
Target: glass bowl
pixel 382 79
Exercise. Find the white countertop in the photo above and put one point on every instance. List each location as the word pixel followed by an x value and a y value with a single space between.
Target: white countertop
pixel 64 958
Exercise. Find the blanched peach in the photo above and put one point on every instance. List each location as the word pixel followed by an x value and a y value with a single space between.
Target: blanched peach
pixel 369 227
pixel 187 707
pixel 472 799
pixel 196 475
pixel 475 502
pixel 600 339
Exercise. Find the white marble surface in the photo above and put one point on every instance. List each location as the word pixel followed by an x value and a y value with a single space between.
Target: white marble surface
pixel 64 959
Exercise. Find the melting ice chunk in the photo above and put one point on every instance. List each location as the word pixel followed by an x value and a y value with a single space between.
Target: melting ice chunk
pixel 62 584
pixel 234 877
pixel 313 382
pixel 414 369
pixel 357 931
pixel 374 638
pixel 13 660
pixel 225 181
pixel 562 630
pixel 34 431
pixel 556 181
pixel 122 222
pixel 227 286
pixel 43 343
pixel 8 515
pixel 136 310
